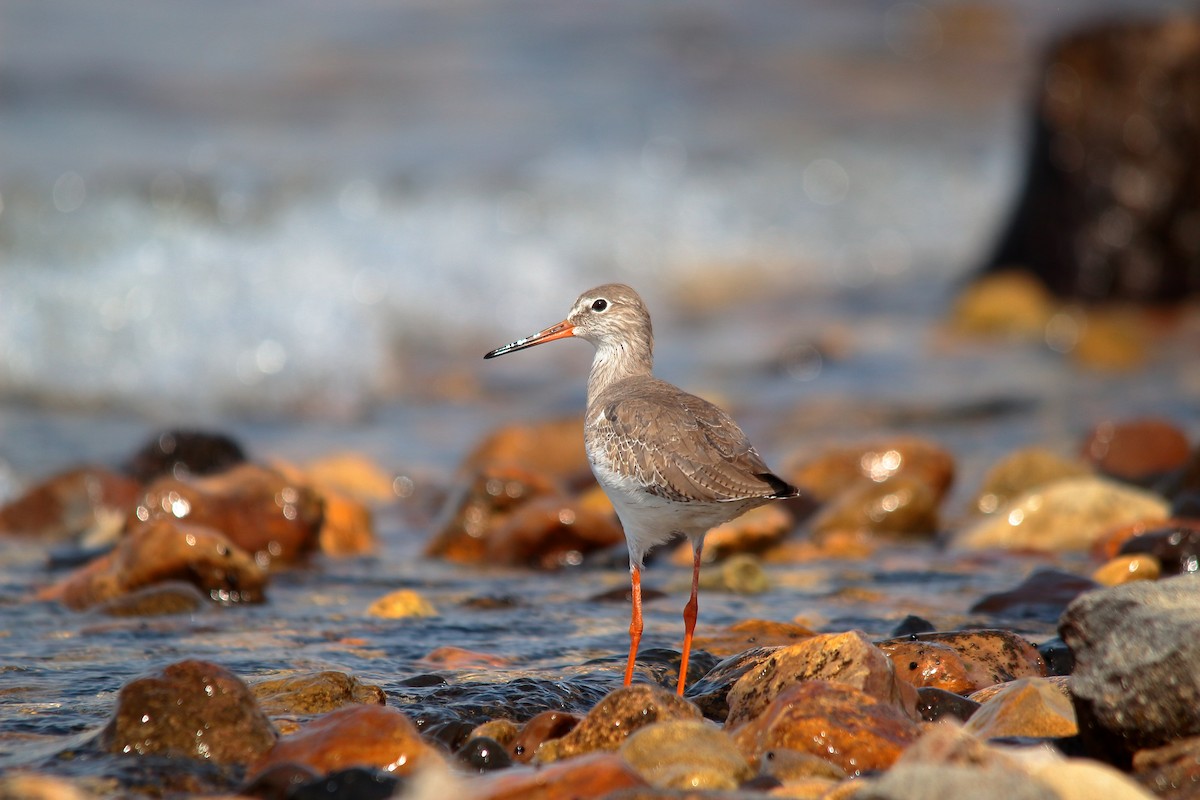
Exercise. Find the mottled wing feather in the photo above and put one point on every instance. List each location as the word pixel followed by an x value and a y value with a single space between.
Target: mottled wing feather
pixel 678 446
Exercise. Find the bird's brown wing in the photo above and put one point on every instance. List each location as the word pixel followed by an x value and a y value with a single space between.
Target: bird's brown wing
pixel 679 446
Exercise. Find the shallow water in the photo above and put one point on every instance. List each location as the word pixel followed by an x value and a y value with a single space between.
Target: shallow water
pixel 215 262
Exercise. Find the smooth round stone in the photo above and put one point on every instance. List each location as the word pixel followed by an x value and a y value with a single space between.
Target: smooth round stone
pixel 1023 471
pixel 170 597
pixel 739 574
pixel 937 704
pixel 551 532
pixel 179 453
pixel 548 725
pixel 553 447
pixel 615 718
pixel 1026 707
pixel 1067 515
pixel 481 754
pixel 685 754
pixel 900 505
pixel 69 503
pixel 189 709
pixel 838 469
pixel 1043 595
pixel 1128 568
pixel 401 604
pixel 963 661
pixel 755 532
pixel 1175 546
pixel 1011 303
pixel 1138 450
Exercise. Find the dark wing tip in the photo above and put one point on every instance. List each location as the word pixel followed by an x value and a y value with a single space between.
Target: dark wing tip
pixel 779 487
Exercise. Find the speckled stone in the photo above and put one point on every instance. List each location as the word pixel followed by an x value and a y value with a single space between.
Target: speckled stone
pixel 963 661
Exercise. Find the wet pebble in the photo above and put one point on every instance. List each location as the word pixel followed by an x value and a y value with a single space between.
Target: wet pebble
pixel 589 776
pixel 1023 471
pixel 852 729
pixel 846 658
pixel 1011 303
pixel 189 709
pixel 1175 546
pixel 711 692
pixel 899 505
pixel 685 754
pixel 963 661
pixel 755 532
pixel 483 754
pixel 316 693
pixel 179 453
pixel 739 574
pixel 257 508
pixel 1128 568
pixel 401 604
pixel 169 597
pixel 379 737
pixel 553 447
pixel 548 725
pixel 485 499
pixel 551 532
pixel 165 551
pixel 615 718
pixel 750 633
pixel 355 783
pixel 837 469
pixel 1138 450
pixel 1136 647
pixel 935 704
pixel 1028 707
pixel 1043 595
pixel 1067 515
pixel 68 504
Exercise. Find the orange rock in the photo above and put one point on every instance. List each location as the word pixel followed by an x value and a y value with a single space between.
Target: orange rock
pixel 755 532
pixel 378 737
pixel 615 717
pixel 742 636
pixel 351 474
pixel 1128 568
pixel 837 469
pixel 553 447
pixel 346 528
pixel 538 730
pixel 1136 450
pixel 898 505
pixel 550 532
pixel 484 502
pixel 590 776
pixel 160 552
pixel 839 723
pixel 449 657
pixel 1025 707
pixel 1011 303
pixel 69 503
pixel 848 659
pixel 256 507
pixel 963 661
pixel 315 693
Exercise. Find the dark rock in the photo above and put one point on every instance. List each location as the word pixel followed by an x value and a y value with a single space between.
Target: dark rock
pixel 190 709
pixel 1114 174
pixel 69 503
pixel 542 728
pixel 1135 683
pixel 1043 595
pixel 912 624
pixel 1139 451
pixel 482 754
pixel 1171 772
pixel 1058 658
pixel 935 704
pixel 711 692
pixel 355 783
pixel 1176 546
pixel 180 453
pixel 278 783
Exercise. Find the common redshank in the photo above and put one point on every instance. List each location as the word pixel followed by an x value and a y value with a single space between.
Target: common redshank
pixel 669 461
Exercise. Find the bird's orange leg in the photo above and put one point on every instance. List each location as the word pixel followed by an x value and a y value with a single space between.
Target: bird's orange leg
pixel 635 624
pixel 689 616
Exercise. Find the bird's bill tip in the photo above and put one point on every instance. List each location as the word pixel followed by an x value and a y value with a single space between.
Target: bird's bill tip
pixel 562 330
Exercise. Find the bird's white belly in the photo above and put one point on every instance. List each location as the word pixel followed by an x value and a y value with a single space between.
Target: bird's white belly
pixel 649 519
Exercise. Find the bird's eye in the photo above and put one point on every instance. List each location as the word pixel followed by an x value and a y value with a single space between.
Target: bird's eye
pixel 600 305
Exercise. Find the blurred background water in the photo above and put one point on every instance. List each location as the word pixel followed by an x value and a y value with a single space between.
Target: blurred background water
pixel 274 208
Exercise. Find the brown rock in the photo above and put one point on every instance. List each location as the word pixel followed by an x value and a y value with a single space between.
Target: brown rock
pixel 484 501
pixel 1127 568
pixel 839 723
pixel 168 597
pixel 749 633
pixel 550 532
pixel 538 730
pixel 400 604
pixel 190 709
pixel 69 503
pixel 898 505
pixel 1044 594
pixel 837 469
pixel 347 527
pixel 686 754
pixel 1138 451
pixel 590 776
pixel 1023 471
pixel 373 736
pixel 1174 544
pixel 1171 771
pixel 257 508
pixel 1032 707
pixel 162 552
pixel 451 657
pixel 755 532
pixel 352 475
pixel 614 718
pixel 844 658
pixel 314 694
pixel 180 453
pixel 963 661
pixel 1111 180
pixel 551 447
